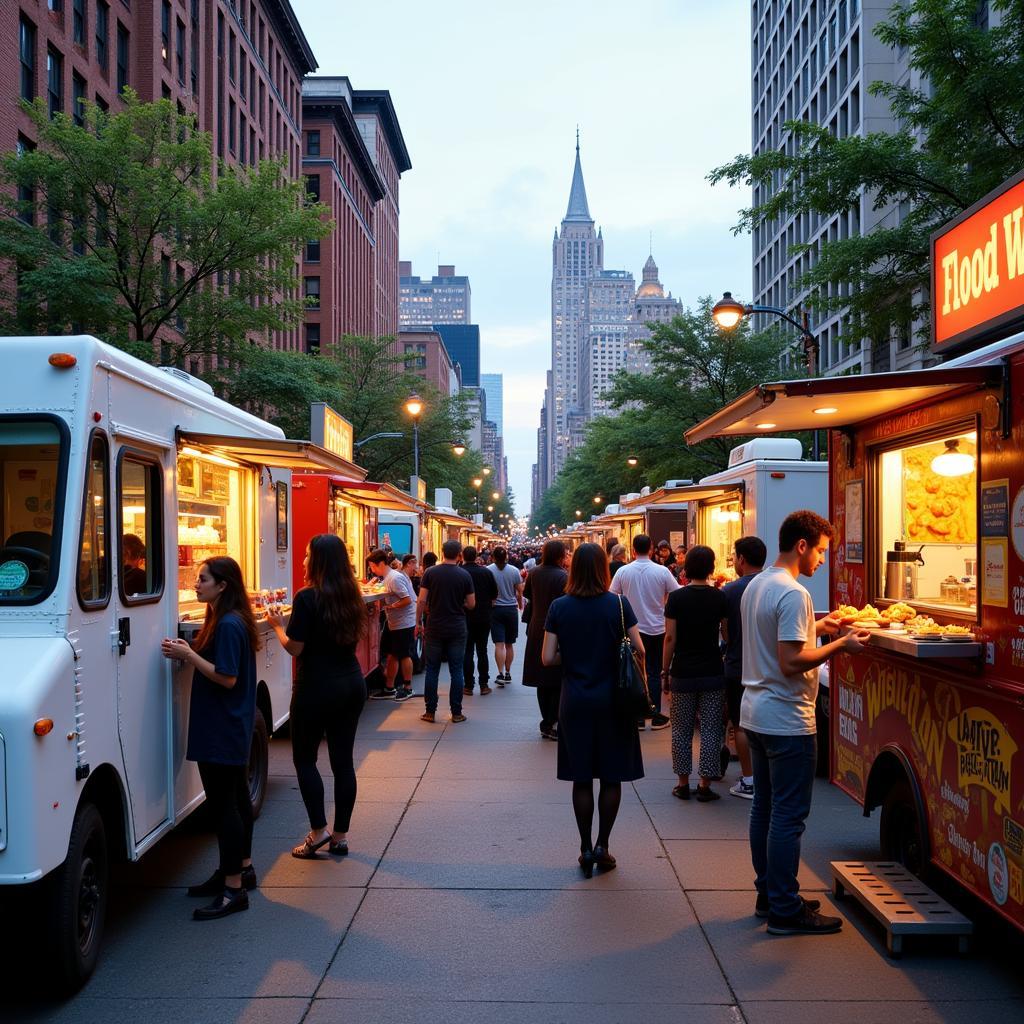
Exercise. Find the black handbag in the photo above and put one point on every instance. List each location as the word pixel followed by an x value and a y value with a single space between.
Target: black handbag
pixel 631 693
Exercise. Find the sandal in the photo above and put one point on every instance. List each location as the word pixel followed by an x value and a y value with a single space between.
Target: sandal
pixel 682 792
pixel 306 850
pixel 339 849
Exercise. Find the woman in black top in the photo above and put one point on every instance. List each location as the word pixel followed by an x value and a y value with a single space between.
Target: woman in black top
pixel 544 584
pixel 328 618
pixel 596 740
pixel 222 711
pixel 695 676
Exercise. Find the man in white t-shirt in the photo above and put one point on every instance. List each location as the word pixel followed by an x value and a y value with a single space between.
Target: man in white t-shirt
pixel 398 643
pixel 781 657
pixel 646 585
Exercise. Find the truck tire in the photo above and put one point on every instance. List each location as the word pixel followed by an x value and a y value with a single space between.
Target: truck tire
pixel 78 895
pixel 259 763
pixel 901 834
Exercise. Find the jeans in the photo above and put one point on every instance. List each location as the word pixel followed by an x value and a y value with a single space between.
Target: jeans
pixel 436 650
pixel 478 635
pixel 783 782
pixel 653 648
pixel 548 698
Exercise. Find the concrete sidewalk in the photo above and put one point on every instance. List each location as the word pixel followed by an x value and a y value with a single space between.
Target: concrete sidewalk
pixel 462 901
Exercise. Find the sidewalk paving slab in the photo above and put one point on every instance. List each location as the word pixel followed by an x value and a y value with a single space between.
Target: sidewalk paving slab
pixel 968 1010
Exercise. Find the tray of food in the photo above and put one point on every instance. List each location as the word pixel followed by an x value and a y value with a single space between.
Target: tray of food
pixel 901 629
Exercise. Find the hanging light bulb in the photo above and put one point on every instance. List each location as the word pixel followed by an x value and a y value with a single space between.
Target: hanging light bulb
pixel 953 462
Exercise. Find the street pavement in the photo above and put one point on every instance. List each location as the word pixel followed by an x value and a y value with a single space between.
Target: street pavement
pixel 462 901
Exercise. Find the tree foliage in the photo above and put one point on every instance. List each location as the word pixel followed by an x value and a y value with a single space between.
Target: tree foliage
pixel 960 134
pixel 124 227
pixel 696 368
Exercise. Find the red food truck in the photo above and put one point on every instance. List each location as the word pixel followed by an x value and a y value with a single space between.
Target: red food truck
pixel 927 499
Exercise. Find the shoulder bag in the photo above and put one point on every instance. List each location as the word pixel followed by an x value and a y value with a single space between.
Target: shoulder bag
pixel 631 693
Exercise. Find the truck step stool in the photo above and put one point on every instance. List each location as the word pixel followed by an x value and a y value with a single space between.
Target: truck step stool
pixel 901 903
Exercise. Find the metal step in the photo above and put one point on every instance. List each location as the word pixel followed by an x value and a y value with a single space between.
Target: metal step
pixel 902 904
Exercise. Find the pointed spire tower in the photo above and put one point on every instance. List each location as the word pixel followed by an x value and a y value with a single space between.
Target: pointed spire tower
pixel 578 211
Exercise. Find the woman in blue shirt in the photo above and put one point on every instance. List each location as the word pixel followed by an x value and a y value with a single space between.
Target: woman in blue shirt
pixel 596 740
pixel 220 724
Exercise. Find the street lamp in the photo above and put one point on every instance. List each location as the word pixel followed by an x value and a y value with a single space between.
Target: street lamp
pixel 487 470
pixel 728 312
pixel 495 495
pixel 477 482
pixel 458 448
pixel 597 499
pixel 631 460
pixel 414 407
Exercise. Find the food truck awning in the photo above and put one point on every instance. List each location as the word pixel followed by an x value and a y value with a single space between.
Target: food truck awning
pixel 270 451
pixel 691 492
pixel 800 404
pixel 381 495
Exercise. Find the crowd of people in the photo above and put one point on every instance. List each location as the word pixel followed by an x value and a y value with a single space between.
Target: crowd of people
pixel 744 655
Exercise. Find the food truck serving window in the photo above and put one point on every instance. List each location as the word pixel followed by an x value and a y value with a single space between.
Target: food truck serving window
pixel 216 512
pixel 721 526
pixel 33 468
pixel 927 504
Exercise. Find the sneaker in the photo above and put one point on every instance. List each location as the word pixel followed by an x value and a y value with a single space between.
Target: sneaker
pixel 403 694
pixel 484 690
pixel 384 694
pixel 458 717
pixel 660 721
pixel 761 908
pixel 705 794
pixel 550 733
pixel 804 922
pixel 500 680
pixel 744 790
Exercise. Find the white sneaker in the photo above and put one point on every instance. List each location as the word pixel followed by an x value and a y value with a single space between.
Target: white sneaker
pixel 744 790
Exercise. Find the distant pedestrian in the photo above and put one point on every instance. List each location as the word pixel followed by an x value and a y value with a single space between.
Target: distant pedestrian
pixel 695 677
pixel 446 591
pixel 327 622
pixel 544 584
pixel 750 556
pixel 505 616
pixel 583 633
pixel 398 641
pixel 429 559
pixel 663 554
pixel 648 585
pixel 780 679
pixel 478 624
pixel 618 559
pixel 222 712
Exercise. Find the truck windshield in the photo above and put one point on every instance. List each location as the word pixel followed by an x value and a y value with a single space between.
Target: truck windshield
pixel 32 480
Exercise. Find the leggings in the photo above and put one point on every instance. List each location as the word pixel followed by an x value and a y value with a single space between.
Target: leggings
pixel 684 708
pixel 328 708
pixel 227 793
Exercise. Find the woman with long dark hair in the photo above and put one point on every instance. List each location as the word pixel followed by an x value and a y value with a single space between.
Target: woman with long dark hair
pixel 221 716
pixel 328 618
pixel 596 740
pixel 544 584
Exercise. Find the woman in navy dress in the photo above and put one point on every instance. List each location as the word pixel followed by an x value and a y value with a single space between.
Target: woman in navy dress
pixel 596 740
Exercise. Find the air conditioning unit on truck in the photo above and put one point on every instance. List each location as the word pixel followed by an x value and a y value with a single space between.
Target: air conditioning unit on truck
pixel 117 481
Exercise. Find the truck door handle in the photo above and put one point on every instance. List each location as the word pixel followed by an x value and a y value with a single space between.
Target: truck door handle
pixel 124 635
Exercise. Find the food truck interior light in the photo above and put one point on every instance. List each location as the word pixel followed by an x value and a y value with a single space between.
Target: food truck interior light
pixel 825 410
pixel 218 459
pixel 765 426
pixel 953 462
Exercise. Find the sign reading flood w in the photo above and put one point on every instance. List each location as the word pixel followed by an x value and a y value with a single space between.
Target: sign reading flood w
pixel 978 269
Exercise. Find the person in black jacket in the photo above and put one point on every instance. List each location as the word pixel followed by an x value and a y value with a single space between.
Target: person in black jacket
pixel 478 623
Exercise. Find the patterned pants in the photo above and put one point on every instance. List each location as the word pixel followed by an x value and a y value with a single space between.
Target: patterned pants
pixel 683 710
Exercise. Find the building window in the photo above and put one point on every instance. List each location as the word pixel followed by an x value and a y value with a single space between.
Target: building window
pixel 231 55
pixel 231 125
pixel 78 98
pixel 313 188
pixel 102 33
pixel 312 143
pixel 28 59
pixel 179 50
pixel 123 41
pixel 312 291
pixel 78 22
pixel 313 251
pixel 55 5
pixel 241 137
pixel 312 338
pixel 195 48
pixel 26 194
pixel 54 81
pixel 165 32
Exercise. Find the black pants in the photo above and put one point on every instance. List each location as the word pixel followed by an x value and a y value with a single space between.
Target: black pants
pixel 548 698
pixel 654 647
pixel 478 635
pixel 328 708
pixel 227 793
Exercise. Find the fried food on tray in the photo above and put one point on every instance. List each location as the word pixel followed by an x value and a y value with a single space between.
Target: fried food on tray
pixel 956 631
pixel 899 612
pixel 924 625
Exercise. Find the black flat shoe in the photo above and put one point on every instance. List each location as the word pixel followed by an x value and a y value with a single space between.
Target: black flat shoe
pixel 230 901
pixel 603 859
pixel 586 860
pixel 214 885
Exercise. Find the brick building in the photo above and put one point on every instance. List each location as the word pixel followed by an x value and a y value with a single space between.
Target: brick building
pixel 237 65
pixel 429 358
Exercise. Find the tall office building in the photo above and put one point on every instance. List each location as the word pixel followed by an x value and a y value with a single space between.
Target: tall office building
pixel 605 342
pixel 815 61
pixel 463 344
pixel 493 384
pixel 443 299
pixel 650 305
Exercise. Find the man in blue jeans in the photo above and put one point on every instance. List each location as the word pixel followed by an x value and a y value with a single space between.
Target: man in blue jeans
pixel 781 658
pixel 446 594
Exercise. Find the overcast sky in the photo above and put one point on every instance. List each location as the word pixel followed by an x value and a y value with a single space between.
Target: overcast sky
pixel 489 96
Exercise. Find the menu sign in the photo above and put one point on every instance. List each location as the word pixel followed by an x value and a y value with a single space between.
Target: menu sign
pixel 978 269
pixel 330 430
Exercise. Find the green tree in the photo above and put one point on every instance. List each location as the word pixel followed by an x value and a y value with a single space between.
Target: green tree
pixel 122 227
pixel 959 136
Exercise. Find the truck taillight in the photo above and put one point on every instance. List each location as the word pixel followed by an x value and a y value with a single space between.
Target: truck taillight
pixel 62 360
pixel 43 726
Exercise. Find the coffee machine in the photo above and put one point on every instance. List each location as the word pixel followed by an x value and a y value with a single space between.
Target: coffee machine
pixel 901 572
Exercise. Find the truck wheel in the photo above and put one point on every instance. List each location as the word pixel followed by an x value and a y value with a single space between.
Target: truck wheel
pixel 78 900
pixel 901 831
pixel 259 763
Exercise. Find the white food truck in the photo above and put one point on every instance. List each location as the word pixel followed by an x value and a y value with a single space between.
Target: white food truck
pixel 118 480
